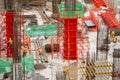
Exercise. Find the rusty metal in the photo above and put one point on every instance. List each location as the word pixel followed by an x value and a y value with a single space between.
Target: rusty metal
pixel 96 68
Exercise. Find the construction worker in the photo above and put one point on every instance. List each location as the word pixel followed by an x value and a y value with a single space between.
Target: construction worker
pixel 112 34
pixel 114 39
pixel 27 42
pixel 10 41
pixel 40 51
pixel 65 70
pixel 25 50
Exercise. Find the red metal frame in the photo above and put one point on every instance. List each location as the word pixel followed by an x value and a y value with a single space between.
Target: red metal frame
pixel 9 31
pixel 95 20
pixel 70 35
pixel 70 39
pixel 99 3
pixel 106 3
pixel 110 5
pixel 110 20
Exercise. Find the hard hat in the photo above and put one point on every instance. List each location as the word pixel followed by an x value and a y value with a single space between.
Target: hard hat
pixel 65 71
pixel 112 33
pixel 40 50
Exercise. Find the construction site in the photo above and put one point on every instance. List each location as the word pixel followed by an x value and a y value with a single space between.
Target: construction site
pixel 59 39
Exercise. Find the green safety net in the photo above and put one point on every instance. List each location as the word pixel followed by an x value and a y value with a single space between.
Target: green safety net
pixel 78 13
pixel 5 66
pixel 28 63
pixel 41 30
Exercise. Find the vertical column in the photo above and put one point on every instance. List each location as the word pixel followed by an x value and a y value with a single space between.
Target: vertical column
pixel 9 31
pixel 70 39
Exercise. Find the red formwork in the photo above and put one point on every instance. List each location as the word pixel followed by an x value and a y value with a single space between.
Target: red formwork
pixel 110 5
pixel 110 20
pixel 67 35
pixel 70 39
pixel 9 31
pixel 99 3
pixel 95 20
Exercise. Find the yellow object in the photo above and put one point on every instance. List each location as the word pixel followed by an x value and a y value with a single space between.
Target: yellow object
pixel 109 36
pixel 112 34
pixel 114 39
pixel 65 70
pixel 71 78
pixel 25 49
pixel 40 51
pixel 10 41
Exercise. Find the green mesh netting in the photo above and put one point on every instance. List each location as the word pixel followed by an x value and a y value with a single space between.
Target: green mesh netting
pixel 5 66
pixel 28 63
pixel 41 30
pixel 78 13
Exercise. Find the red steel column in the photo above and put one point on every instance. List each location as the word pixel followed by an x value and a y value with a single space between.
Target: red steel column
pixel 9 31
pixel 70 39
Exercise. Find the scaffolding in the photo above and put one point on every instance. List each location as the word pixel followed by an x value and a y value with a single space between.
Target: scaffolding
pixel 2 36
